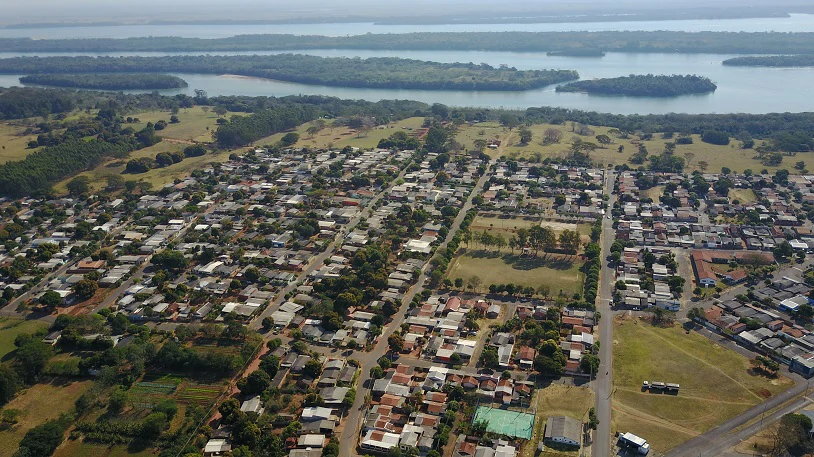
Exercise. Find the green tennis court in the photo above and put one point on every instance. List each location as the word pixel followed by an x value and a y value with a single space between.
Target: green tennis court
pixel 505 422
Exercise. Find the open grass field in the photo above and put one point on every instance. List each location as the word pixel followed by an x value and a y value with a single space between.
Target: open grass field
pixel 715 156
pixel 40 403
pixel 508 226
pixel 192 126
pixel 10 328
pixel 716 383
pixel 654 192
pixel 559 272
pixel 339 136
pixel 13 144
pixel 558 400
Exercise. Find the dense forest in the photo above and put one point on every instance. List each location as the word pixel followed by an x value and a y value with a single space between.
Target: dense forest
pixel 19 103
pixel 242 130
pixel 615 41
pixel 772 61
pixel 381 72
pixel 643 85
pixel 109 81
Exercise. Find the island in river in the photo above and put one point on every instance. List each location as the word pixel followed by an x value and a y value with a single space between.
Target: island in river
pixel 107 81
pixel 380 72
pixel 643 86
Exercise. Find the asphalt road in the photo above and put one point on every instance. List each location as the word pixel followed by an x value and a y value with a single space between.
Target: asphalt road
pixel 603 384
pixel 353 421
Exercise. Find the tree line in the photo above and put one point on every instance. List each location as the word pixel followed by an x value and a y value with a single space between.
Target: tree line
pixel 115 81
pixel 242 130
pixel 377 72
pixel 772 61
pixel 643 85
pixel 614 41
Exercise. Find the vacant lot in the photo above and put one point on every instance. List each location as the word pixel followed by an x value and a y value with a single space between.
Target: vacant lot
pixel 40 403
pixel 745 196
pixel 10 328
pixel 558 400
pixel 559 272
pixel 715 383
pixel 715 157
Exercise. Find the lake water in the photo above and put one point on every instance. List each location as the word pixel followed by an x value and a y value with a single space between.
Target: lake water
pixel 794 23
pixel 740 89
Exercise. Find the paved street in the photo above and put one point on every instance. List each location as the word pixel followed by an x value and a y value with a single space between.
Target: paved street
pixel 603 384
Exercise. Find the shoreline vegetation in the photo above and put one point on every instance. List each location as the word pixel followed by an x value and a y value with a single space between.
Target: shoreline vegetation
pixel 577 53
pixel 784 61
pixel 108 81
pixel 375 73
pixel 609 41
pixel 643 86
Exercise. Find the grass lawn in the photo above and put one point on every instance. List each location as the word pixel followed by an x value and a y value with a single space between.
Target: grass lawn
pixel 13 144
pixel 40 403
pixel 561 273
pixel 715 156
pixel 558 400
pixel 508 226
pixel 340 136
pixel 654 193
pixel 743 195
pixel 10 328
pixel 716 383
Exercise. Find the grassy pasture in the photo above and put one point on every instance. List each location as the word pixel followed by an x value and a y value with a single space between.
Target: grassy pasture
pixel 716 383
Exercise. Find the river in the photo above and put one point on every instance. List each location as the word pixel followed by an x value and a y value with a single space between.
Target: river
pixel 794 23
pixel 740 89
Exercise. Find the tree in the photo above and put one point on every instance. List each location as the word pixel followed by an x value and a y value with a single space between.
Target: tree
pixel 702 165
pixel 396 342
pixel 257 382
pixel 589 364
pixel 153 425
pixel 376 372
pixel 9 383
pixel 474 283
pixel 117 401
pixel 230 410
pixel 570 240
pixel 509 120
pixel 32 358
pixel 114 182
pixel 289 139
pixel 170 259
pixel 525 136
pixel 174 119
pixel 552 135
pixel 85 288
pixel 313 368
pixel 51 299
pixel 79 185
pixel 42 440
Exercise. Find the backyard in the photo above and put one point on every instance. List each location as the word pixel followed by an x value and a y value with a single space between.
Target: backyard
pixel 643 352
pixel 558 400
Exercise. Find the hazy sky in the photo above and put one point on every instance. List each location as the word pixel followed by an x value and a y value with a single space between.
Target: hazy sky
pixel 16 11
